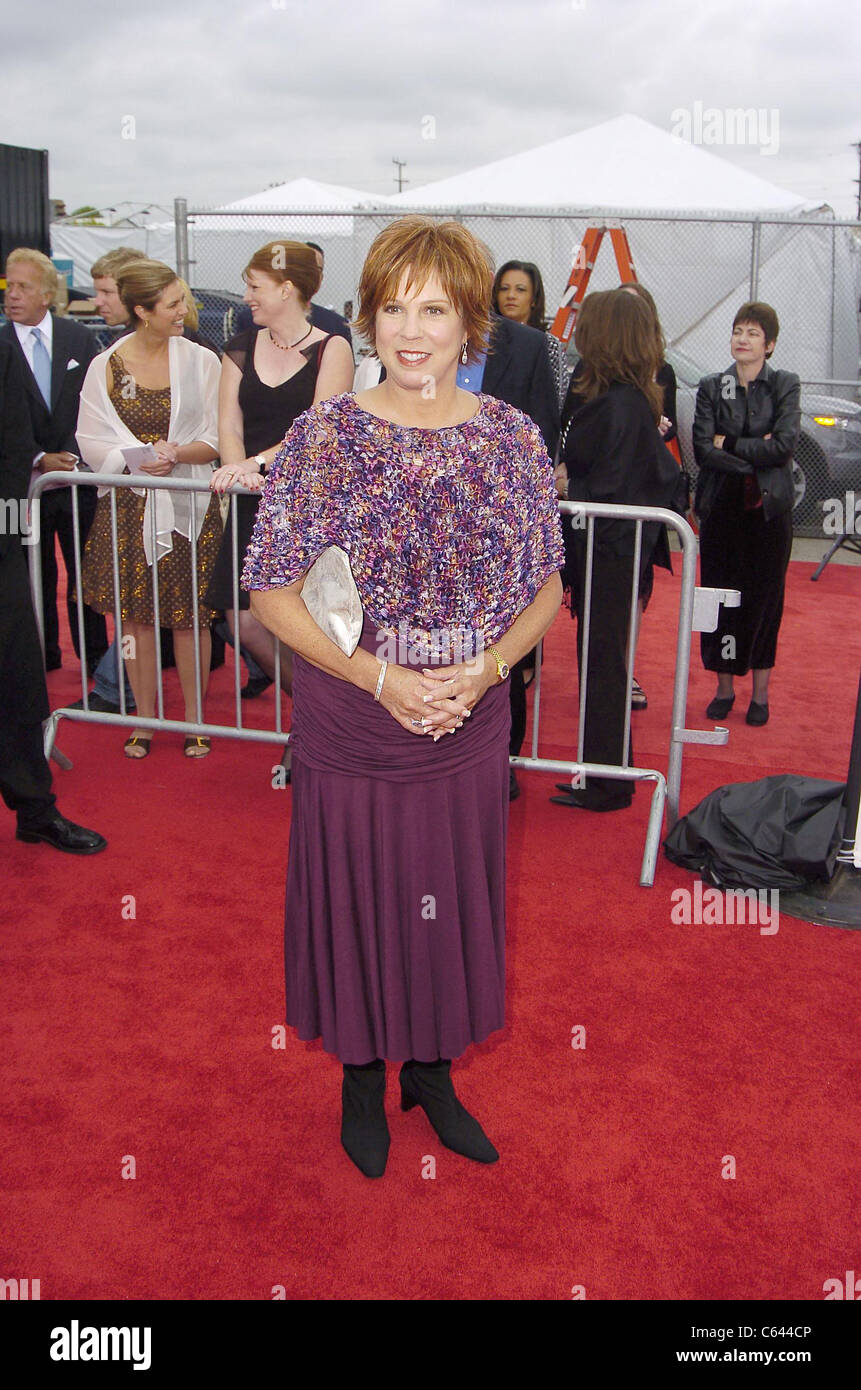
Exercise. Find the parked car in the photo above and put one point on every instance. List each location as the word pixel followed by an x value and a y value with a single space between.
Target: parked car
pixel 218 310
pixel 827 461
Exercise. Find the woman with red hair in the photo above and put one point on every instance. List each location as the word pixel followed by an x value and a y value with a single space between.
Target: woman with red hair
pixel 443 503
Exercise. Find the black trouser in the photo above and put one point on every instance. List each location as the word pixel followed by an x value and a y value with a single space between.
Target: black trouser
pixel 739 549
pixel 57 523
pixel 607 683
pixel 517 697
pixel 25 777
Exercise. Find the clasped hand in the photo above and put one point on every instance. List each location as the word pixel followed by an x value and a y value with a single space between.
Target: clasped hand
pixel 63 462
pixel 437 700
pixel 165 461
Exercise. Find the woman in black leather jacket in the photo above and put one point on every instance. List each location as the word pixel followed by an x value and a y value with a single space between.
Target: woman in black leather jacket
pixel 745 432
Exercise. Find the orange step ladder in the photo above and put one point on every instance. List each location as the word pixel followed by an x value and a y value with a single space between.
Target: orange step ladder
pixel 584 263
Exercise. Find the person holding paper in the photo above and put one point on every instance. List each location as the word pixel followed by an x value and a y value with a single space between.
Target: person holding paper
pixel 155 388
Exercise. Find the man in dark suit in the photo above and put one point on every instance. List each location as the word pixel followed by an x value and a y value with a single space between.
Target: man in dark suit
pixel 25 778
pixel 327 319
pixel 518 370
pixel 54 354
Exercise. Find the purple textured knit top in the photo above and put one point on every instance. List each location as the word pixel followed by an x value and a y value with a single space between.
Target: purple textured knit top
pixel 445 528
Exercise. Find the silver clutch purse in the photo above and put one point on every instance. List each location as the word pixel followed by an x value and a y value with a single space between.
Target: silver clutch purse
pixel 331 597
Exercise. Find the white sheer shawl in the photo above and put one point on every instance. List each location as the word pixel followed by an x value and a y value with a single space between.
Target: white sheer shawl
pixel 101 434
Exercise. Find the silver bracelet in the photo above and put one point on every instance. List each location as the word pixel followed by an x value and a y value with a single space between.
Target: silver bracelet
pixel 382 676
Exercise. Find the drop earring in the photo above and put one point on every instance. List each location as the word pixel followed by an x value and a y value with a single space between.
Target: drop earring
pixel 463 353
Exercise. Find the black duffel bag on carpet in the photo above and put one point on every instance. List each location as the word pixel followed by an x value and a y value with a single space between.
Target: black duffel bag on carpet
pixel 780 832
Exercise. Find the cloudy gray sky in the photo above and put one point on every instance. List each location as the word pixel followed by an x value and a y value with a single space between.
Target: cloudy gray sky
pixel 229 96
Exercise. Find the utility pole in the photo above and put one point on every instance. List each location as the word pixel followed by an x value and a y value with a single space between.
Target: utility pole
pixel 401 164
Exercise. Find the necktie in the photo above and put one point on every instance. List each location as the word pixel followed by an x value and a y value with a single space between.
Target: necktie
pixel 42 366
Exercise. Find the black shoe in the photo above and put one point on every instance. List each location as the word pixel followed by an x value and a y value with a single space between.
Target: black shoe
pixel 638 696
pixel 584 799
pixel 364 1131
pixel 720 707
pixel 102 706
pixel 429 1085
pixel 53 663
pixel 513 788
pixel 756 714
pixel 63 834
pixel 255 686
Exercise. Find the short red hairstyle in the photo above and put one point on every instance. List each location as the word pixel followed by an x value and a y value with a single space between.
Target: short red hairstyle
pixel 420 248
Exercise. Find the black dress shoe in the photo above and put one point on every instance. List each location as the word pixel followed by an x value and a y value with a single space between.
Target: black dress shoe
pixel 63 834
pixel 364 1131
pixel 102 706
pixel 638 696
pixel 585 800
pixel 255 686
pixel 720 707
pixel 429 1085
pixel 756 714
pixel 513 788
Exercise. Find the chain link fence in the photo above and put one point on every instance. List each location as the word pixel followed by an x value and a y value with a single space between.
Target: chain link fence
pixel 700 269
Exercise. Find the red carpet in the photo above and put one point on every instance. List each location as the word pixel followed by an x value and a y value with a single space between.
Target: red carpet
pixel 150 1036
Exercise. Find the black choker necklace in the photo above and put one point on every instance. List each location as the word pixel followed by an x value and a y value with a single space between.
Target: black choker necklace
pixel 286 347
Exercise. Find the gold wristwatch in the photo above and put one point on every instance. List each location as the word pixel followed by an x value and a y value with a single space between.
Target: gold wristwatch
pixel 503 670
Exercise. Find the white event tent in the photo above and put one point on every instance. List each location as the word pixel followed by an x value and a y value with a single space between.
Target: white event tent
pixel 222 240
pixel 623 163
pixel 698 269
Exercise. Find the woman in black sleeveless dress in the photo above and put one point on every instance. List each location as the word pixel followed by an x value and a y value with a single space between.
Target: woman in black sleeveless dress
pixel 270 374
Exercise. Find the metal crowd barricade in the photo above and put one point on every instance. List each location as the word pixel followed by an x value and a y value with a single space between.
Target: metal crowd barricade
pixel 697 611
pixel 115 481
pixel 666 789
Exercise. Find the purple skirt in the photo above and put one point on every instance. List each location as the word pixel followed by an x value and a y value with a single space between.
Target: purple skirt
pixel 394 937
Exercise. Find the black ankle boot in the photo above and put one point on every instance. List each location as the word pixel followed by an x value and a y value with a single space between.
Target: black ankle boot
pixel 364 1131
pixel 428 1084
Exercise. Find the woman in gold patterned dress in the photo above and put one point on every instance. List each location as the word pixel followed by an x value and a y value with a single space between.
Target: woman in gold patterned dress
pixel 155 387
